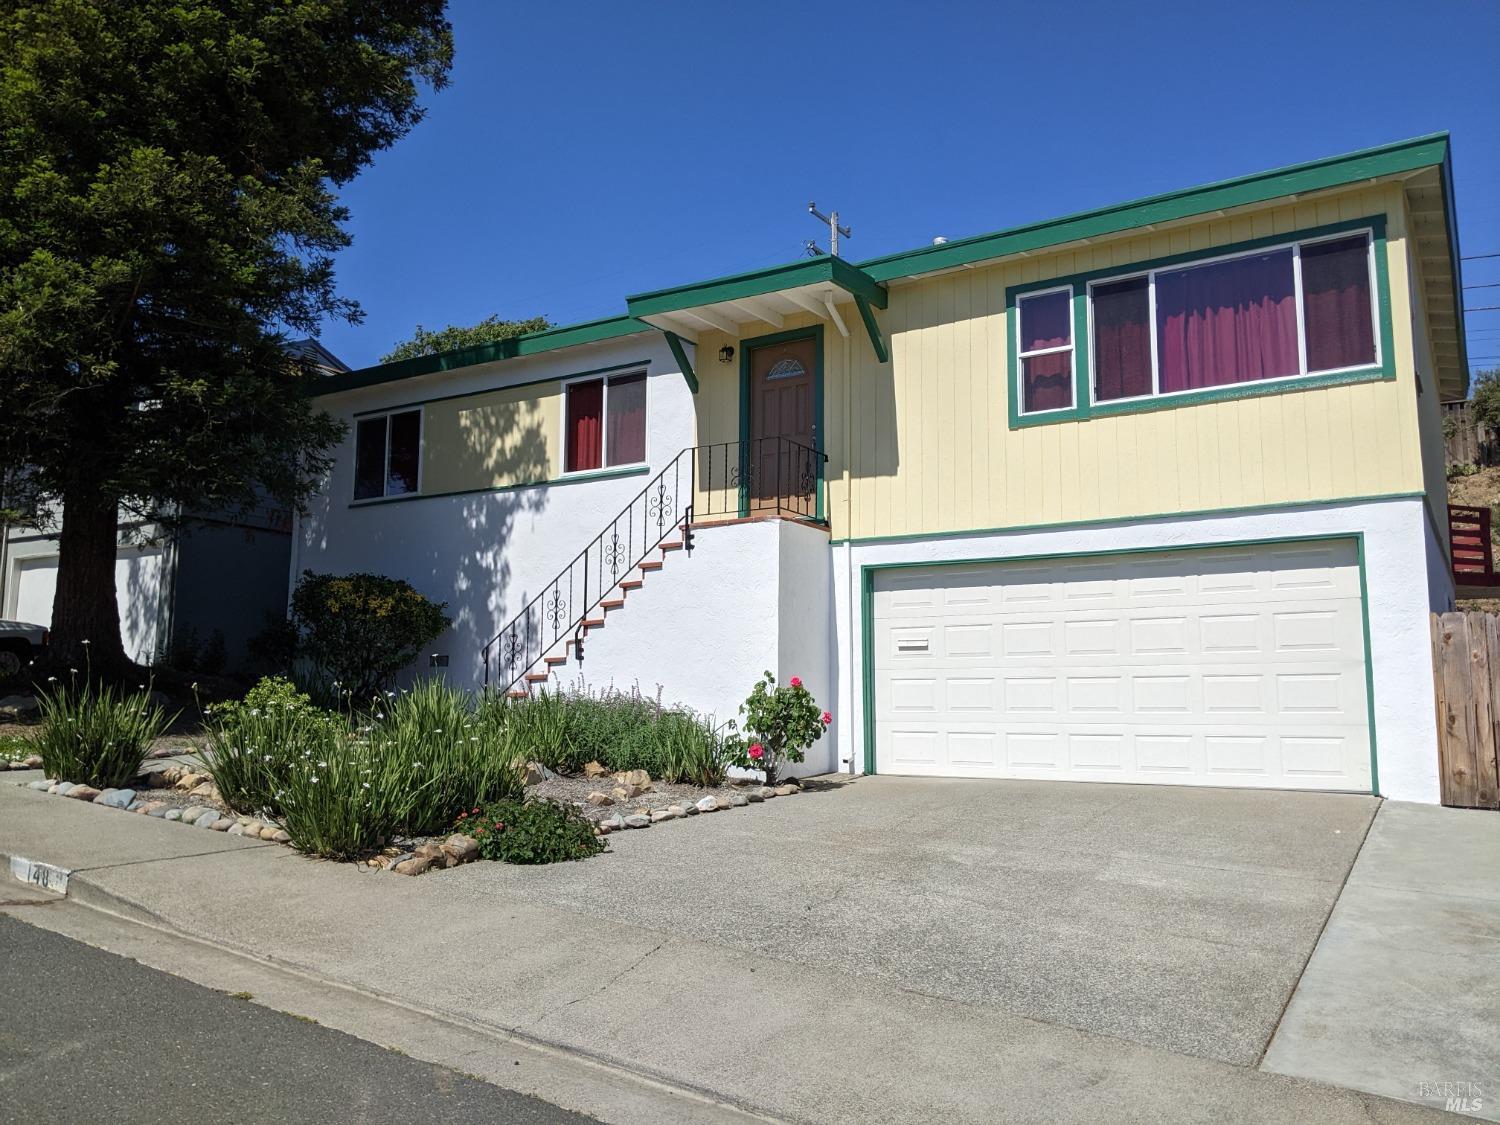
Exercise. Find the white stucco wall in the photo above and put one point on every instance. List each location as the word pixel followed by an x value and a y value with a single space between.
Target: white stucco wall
pixel 1396 557
pixel 485 553
pixel 752 597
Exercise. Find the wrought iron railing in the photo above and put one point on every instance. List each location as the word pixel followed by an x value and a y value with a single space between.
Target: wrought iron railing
pixel 761 477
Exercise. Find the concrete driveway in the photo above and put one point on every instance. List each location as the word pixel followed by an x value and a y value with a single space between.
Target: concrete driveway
pixel 1177 918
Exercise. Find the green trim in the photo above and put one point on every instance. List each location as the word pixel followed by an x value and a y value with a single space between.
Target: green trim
pixel 1455 263
pixel 867 615
pixel 867 671
pixel 1016 529
pixel 517 347
pixel 813 332
pixel 1082 409
pixel 569 478
pixel 1316 175
pixel 638 365
pixel 809 271
pixel 872 326
pixel 1364 613
pixel 680 355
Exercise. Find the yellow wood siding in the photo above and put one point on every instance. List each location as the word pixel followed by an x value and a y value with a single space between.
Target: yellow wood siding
pixel 923 444
pixel 506 437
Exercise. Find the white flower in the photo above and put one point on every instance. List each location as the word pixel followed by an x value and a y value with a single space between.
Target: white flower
pixel 315 779
pixel 366 784
pixel 88 642
pixel 322 765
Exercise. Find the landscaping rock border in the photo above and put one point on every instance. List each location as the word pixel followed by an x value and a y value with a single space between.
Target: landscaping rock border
pixel 645 818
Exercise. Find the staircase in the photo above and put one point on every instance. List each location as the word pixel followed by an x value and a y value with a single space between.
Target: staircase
pixel 704 483
pixel 1469 539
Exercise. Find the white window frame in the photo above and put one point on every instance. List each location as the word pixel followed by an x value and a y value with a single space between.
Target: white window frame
pixel 385 460
pixel 1295 245
pixel 1022 356
pixel 607 377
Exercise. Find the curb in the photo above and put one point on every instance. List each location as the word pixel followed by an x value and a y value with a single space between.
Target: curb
pixel 682 1102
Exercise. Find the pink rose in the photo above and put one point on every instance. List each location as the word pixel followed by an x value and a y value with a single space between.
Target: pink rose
pixel 796 681
pixel 757 751
pixel 827 717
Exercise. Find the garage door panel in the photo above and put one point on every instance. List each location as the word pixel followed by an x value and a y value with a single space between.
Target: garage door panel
pixel 1237 667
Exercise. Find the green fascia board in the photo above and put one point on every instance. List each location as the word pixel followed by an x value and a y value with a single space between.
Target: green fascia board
pixel 1316 175
pixel 812 271
pixel 679 353
pixel 517 347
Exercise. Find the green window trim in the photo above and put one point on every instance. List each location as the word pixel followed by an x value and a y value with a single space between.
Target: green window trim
pixel 1084 407
pixel 566 478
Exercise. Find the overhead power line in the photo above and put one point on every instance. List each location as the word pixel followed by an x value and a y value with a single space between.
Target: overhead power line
pixel 1476 257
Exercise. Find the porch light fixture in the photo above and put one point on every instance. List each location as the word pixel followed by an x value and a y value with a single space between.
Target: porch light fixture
pixel 726 354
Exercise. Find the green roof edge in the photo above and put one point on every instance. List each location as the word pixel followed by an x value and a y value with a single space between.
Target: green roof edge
pixel 1313 175
pixel 517 347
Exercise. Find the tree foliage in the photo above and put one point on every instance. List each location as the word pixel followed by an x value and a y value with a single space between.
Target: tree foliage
pixel 1484 393
pixel 426 342
pixel 168 218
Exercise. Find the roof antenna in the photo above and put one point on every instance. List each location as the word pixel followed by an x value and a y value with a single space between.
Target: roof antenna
pixel 834 230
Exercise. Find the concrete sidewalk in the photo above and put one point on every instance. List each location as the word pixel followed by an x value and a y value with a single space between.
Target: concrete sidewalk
pixel 1402 995
pixel 761 1033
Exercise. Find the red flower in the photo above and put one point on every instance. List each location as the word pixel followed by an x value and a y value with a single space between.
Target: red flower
pixel 796 681
pixel 827 717
pixel 757 751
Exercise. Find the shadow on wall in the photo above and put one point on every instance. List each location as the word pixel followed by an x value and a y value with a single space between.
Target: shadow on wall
pixel 461 558
pixel 141 629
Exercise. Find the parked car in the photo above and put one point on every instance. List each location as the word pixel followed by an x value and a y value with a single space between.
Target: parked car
pixel 20 644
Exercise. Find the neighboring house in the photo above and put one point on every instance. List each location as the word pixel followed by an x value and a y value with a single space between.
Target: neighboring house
pixel 222 573
pixel 1149 494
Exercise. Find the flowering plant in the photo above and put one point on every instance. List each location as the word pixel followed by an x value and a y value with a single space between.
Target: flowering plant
pixel 780 723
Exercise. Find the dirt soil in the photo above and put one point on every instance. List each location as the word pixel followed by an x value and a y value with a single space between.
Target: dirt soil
pixel 1482 490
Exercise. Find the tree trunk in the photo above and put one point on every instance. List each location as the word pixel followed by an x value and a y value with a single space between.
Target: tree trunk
pixel 84 608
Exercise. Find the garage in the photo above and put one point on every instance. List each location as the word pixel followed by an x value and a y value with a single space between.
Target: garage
pixel 138 582
pixel 1230 666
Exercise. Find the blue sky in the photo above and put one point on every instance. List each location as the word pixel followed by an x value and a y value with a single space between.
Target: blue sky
pixel 588 150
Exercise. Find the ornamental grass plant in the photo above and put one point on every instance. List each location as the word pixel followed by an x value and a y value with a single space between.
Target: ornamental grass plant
pixel 97 734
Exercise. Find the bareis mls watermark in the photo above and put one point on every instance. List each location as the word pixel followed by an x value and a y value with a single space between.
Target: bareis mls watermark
pixel 1455 1097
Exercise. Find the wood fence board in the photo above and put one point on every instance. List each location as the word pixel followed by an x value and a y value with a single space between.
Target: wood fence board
pixel 1466 679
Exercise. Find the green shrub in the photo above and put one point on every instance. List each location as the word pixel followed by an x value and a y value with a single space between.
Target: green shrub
pixel 96 735
pixel 346 803
pixel 253 743
pixel 530 832
pixel 14 747
pixel 361 629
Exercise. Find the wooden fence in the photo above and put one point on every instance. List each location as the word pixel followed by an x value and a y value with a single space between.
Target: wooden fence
pixel 1466 671
pixel 1465 441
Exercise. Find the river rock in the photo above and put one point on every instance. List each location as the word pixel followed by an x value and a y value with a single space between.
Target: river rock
pixel 708 804
pixel 636 820
pixel 116 798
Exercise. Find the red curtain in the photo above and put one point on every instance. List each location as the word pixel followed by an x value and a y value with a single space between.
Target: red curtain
pixel 1122 339
pixel 1336 303
pixel 585 414
pixel 1227 322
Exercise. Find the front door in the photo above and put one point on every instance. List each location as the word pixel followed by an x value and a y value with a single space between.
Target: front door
pixel 781 457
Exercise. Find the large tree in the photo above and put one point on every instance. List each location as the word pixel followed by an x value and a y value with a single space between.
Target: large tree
pixel 168 219
pixel 425 341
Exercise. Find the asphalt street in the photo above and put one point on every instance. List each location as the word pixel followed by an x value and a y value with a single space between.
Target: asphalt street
pixel 86 1036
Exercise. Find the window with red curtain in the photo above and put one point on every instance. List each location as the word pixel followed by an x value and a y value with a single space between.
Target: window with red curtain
pixel 585 426
pixel 1046 350
pixel 1226 322
pixel 626 421
pixel 1336 303
pixel 1122 339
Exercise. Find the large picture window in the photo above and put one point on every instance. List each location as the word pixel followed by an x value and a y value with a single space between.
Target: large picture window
pixel 1306 308
pixel 605 422
pixel 387 455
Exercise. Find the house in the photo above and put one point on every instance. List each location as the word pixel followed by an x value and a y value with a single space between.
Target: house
pixel 1152 493
pixel 180 591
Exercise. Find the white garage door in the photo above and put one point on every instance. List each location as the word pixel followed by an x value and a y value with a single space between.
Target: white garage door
pixel 138 573
pixel 1233 666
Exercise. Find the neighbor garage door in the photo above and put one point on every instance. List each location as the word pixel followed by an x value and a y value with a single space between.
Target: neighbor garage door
pixel 1231 666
